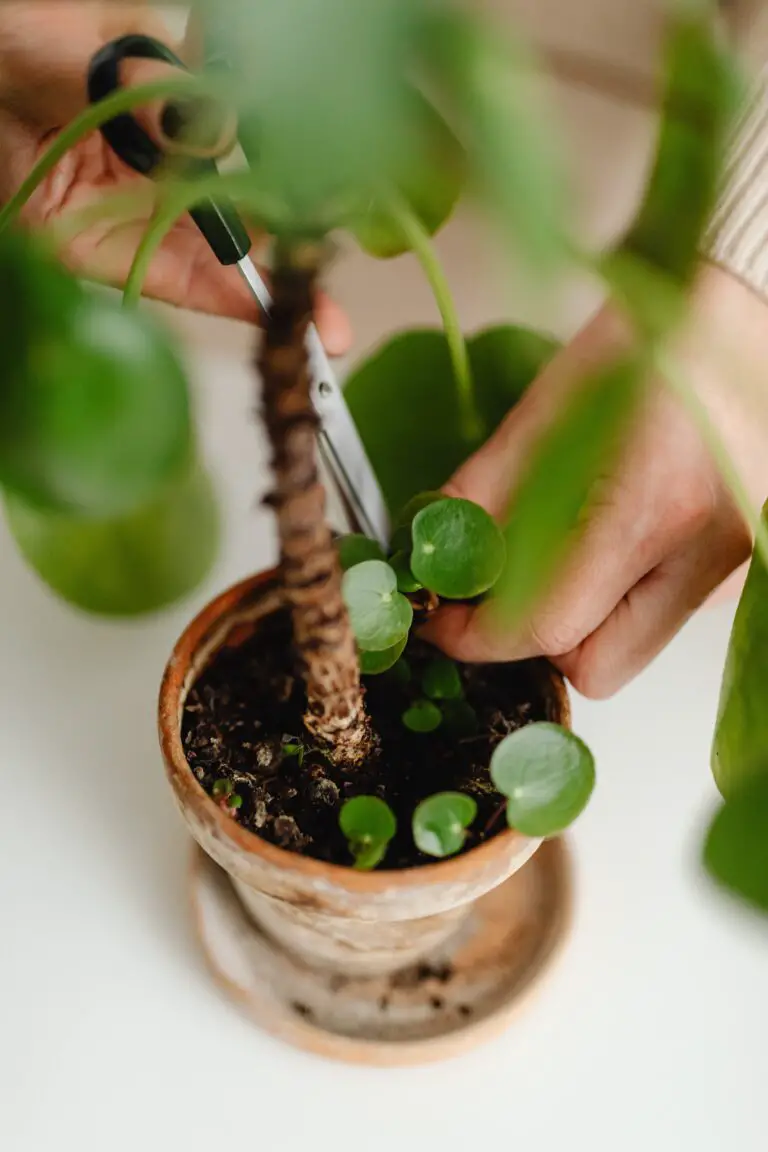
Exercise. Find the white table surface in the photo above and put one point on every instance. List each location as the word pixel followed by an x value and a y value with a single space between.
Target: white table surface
pixel 649 1034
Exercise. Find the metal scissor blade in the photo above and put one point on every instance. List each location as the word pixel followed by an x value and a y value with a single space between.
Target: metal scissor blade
pixel 339 441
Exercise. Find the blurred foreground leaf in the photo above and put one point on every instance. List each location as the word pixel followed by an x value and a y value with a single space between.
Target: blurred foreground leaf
pixel 94 409
pixel 429 183
pixel 550 503
pixel 701 93
pixel 736 847
pixel 322 96
pixel 485 77
pixel 130 565
pixel 740 746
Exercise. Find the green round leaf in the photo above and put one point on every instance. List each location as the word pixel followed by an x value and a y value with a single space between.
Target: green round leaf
pixel 406 581
pixel 458 552
pixel 94 411
pixel 429 181
pixel 368 824
pixel 423 716
pixel 380 615
pixel 441 679
pixel 134 564
pixel 440 823
pixel 547 775
pixel 404 402
pixel 356 548
pixel 736 847
pixel 373 663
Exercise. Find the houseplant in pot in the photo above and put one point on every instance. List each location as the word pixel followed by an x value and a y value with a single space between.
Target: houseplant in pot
pixel 326 802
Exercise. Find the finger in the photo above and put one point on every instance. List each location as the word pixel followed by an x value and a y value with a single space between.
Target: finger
pixel 649 616
pixel 197 126
pixel 622 542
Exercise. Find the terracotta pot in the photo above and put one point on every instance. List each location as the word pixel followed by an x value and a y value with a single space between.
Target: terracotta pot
pixel 360 923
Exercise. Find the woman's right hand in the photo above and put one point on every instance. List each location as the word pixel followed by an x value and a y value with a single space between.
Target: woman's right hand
pixel 45 50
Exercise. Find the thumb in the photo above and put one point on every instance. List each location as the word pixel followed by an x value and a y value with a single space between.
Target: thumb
pixel 193 125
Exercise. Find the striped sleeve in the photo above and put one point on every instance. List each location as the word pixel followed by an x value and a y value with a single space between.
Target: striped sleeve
pixel 737 238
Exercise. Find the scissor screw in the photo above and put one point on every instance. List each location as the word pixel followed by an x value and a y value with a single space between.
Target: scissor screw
pixel 324 388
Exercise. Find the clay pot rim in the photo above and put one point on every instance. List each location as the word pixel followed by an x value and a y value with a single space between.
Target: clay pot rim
pixel 190 793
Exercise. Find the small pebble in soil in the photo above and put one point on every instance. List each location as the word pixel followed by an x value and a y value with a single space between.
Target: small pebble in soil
pixel 287 833
pixel 323 791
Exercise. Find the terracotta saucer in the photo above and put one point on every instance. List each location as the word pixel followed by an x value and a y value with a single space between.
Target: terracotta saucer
pixel 446 1004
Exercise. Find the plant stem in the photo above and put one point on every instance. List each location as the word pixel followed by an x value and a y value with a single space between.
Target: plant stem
pixel 91 118
pixel 712 438
pixel 165 216
pixel 472 425
pixel 310 567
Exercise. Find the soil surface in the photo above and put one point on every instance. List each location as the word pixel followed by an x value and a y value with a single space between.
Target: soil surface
pixel 248 705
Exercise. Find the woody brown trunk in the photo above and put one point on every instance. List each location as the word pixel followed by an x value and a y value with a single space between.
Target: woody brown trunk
pixel 310 568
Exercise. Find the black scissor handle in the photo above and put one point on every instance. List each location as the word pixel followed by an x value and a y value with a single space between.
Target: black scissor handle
pixel 217 219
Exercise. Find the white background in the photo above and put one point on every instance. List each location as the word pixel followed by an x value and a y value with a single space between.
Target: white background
pixel 648 1034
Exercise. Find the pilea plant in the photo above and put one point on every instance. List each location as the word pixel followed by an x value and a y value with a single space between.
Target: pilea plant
pixel 375 123
pixel 444 548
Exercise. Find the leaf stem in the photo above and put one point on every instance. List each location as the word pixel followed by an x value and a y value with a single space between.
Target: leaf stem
pixel 682 389
pixel 91 118
pixel 165 216
pixel 421 245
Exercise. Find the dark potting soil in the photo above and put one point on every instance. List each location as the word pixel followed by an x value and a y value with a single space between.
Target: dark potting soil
pixel 248 704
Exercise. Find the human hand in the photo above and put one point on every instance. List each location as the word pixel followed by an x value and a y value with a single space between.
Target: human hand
pixel 664 531
pixel 45 49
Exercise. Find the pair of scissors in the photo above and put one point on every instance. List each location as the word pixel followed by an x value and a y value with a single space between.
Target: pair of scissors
pixel 340 445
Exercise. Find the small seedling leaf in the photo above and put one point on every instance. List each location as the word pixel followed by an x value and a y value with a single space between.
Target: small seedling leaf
pixel 440 823
pixel 221 788
pixel 368 824
pixel 380 615
pixel 294 748
pixel 423 716
pixel 441 679
pixel 401 566
pixel 356 548
pixel 458 551
pixel 547 775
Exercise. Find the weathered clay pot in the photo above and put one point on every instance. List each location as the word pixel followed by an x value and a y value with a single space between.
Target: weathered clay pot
pixel 360 923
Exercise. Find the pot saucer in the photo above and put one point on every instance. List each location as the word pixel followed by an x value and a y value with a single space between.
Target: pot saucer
pixel 449 1002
